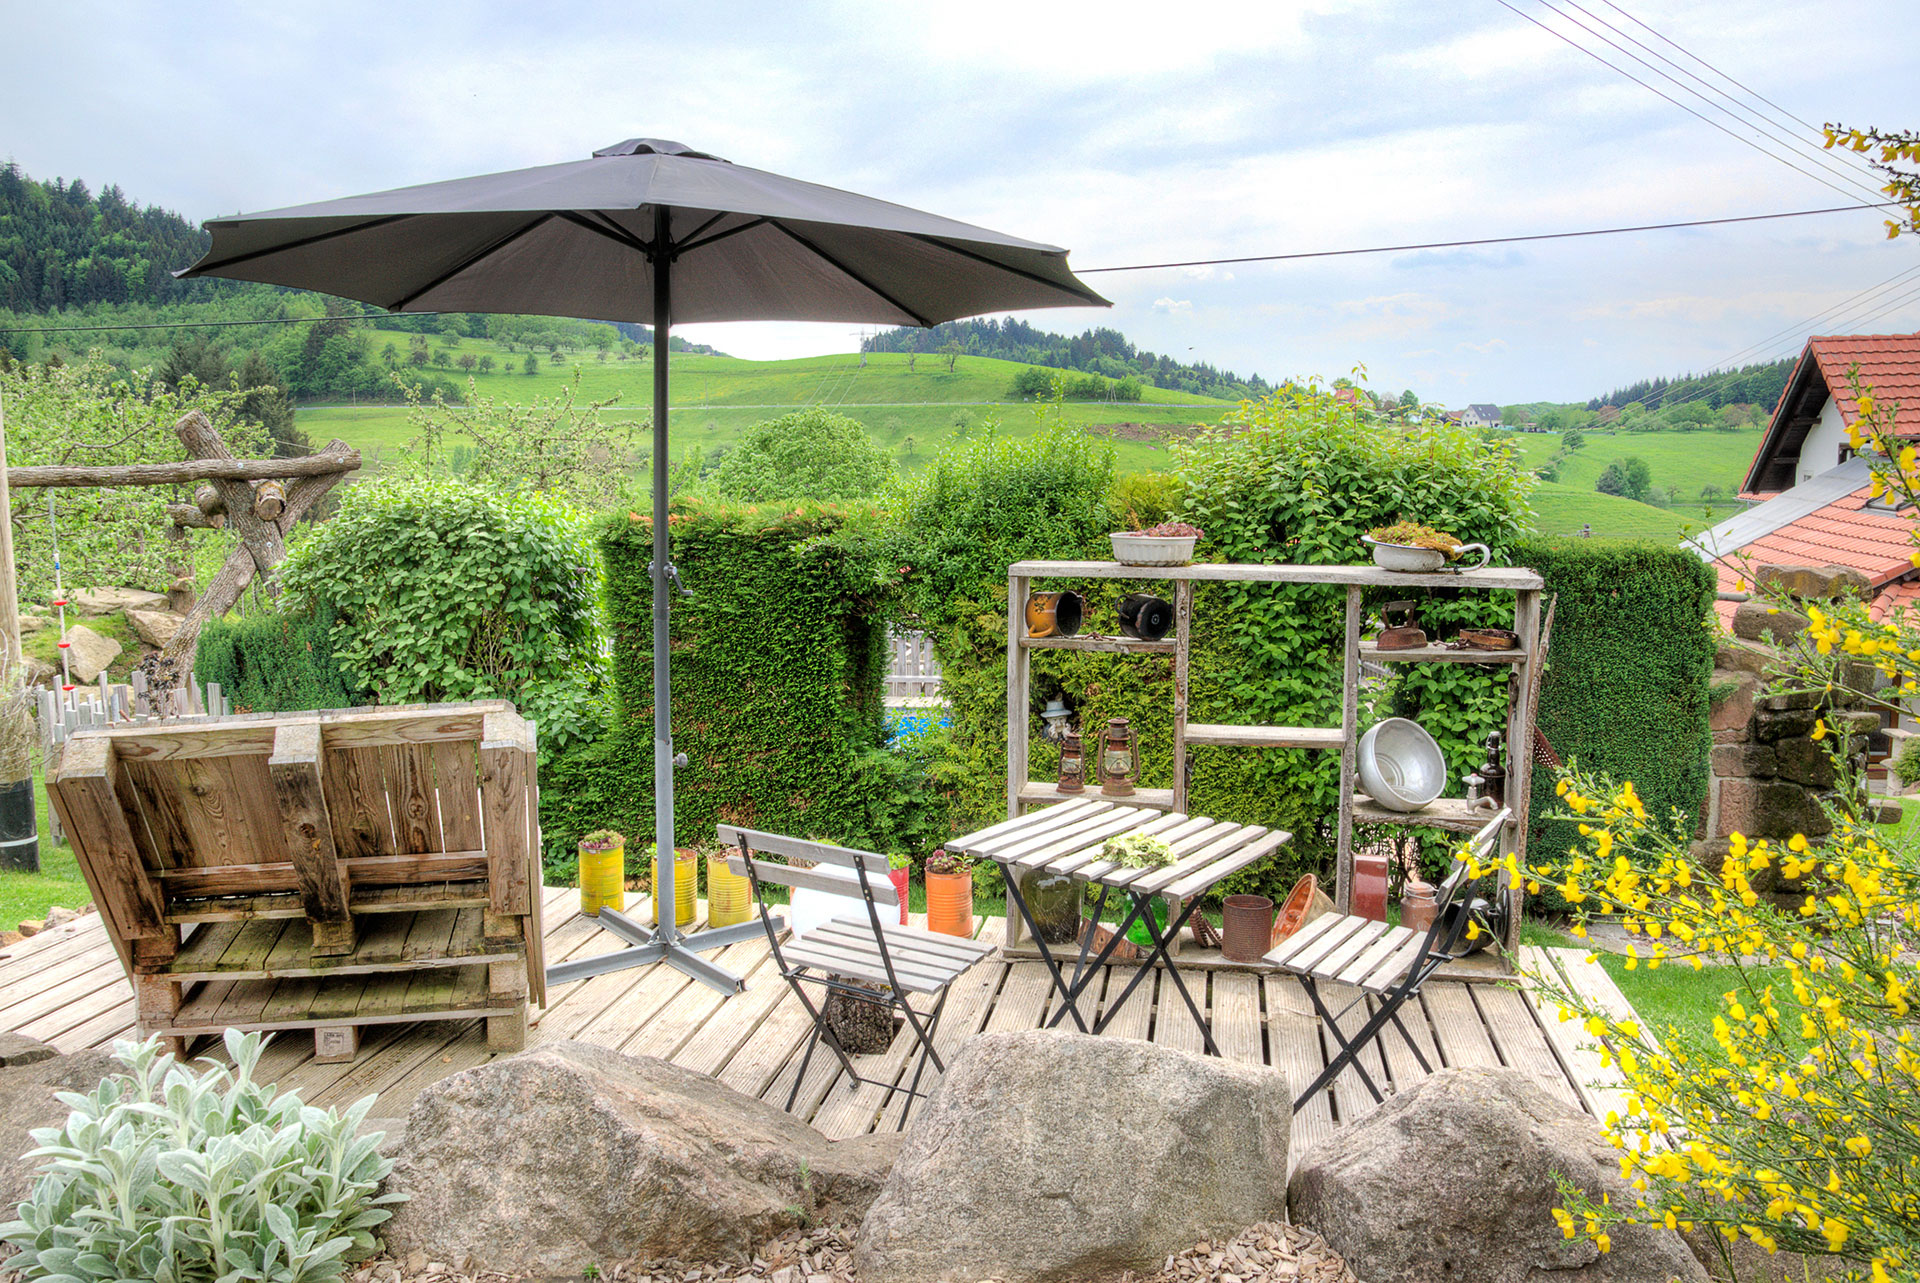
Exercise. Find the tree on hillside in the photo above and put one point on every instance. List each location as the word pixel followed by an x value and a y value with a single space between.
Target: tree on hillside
pixel 1688 415
pixel 531 366
pixel 952 352
pixel 1629 478
pixel 809 454
pixel 197 359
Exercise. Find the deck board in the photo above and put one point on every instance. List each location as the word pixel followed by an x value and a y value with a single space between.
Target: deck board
pixel 66 986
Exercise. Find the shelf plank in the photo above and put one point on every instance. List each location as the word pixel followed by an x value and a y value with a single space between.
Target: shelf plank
pixel 281 948
pixel 1091 641
pixel 1446 813
pixel 1265 736
pixel 1440 654
pixel 1509 578
pixel 1048 791
pixel 379 899
pixel 382 999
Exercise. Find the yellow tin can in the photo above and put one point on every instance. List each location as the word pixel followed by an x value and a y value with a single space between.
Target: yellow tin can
pixel 603 879
pixel 729 894
pixel 686 886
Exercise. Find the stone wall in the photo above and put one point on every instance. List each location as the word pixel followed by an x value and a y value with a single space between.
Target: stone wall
pixel 1769 776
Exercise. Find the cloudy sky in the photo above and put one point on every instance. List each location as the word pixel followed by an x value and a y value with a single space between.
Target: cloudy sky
pixel 1128 133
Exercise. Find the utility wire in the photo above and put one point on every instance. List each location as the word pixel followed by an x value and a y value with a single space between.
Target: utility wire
pixel 212 325
pixel 1739 112
pixel 1747 142
pixel 1709 66
pixel 1488 240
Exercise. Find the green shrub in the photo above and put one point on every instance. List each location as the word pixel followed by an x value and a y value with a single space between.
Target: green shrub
pixel 809 454
pixel 441 590
pixel 164 1174
pixel 1626 688
pixel 1906 763
pixel 779 660
pixel 275 662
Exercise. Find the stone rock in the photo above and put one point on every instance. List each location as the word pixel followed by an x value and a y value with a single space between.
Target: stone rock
pixel 31 927
pixel 104 601
pixel 1046 1155
pixel 1454 1179
pixel 1752 761
pixel 27 1101
pixel 18 1049
pixel 181 595
pixel 1735 708
pixel 89 653
pixel 155 627
pixel 31 624
pixel 1823 583
pixel 1738 735
pixel 1757 621
pixel 59 915
pixel 1791 699
pixel 1744 657
pixel 1804 762
pixel 1779 724
pixel 1769 809
pixel 38 671
pixel 1752 1263
pixel 1885 810
pixel 572 1153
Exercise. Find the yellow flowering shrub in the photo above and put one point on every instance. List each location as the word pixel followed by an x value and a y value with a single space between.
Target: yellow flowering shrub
pixel 1795 1121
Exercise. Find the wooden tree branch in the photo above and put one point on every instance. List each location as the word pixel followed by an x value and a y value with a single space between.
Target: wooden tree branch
pixel 207 499
pixel 186 514
pixel 156 474
pixel 269 499
pixel 261 538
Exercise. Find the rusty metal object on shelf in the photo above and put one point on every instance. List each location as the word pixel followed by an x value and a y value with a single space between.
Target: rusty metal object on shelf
pixel 1405 635
pixel 1488 639
pixel 1053 614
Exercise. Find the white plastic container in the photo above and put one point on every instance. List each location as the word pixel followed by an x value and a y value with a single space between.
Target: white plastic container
pixel 1152 550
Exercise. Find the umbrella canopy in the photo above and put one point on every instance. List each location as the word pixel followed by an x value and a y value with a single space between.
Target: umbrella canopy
pixel 655 232
pixel 577 239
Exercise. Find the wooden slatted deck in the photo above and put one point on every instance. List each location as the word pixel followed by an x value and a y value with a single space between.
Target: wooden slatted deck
pixel 66 987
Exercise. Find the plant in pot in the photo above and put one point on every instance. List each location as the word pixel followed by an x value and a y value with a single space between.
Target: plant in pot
pixel 949 877
pixel 729 894
pixel 1410 546
pixel 603 860
pixel 1168 544
pixel 898 867
pixel 1141 851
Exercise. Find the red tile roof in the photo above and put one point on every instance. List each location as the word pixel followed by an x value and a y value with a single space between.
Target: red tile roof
pixel 1900 598
pixel 1889 364
pixel 1844 533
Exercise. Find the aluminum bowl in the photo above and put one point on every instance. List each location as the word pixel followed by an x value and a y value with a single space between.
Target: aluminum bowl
pixel 1401 767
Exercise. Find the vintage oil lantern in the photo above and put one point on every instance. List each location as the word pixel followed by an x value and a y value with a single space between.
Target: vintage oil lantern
pixel 1119 759
pixel 1073 766
pixel 1493 776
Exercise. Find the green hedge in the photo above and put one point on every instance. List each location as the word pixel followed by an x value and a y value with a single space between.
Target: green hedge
pixel 779 661
pixel 275 663
pixel 1626 685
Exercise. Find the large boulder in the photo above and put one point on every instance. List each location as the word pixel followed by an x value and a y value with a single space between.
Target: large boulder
pixel 1454 1179
pixel 571 1154
pixel 27 1087
pixel 1047 1155
pixel 89 654
pixel 155 627
pixel 104 601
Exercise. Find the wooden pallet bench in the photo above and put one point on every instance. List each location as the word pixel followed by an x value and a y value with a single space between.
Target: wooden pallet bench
pixel 321 871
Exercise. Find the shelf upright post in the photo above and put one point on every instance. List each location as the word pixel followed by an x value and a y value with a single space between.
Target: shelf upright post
pixel 1520 721
pixel 1349 751
pixel 1017 676
pixel 1182 621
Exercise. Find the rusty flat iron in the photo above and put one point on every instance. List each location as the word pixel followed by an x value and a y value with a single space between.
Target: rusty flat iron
pixel 1403 636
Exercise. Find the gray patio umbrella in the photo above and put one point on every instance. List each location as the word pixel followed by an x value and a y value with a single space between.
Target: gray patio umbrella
pixel 655 232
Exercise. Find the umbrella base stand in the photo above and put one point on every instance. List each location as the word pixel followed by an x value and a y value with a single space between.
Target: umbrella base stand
pixel 647 946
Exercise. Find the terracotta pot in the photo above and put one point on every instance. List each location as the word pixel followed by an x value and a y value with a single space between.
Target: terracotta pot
pixel 950 903
pixel 1246 927
pixel 1418 908
pixel 899 879
pixel 1303 904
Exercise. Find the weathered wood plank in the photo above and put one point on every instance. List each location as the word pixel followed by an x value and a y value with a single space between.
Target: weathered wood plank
pixel 355 787
pixel 294 773
pixel 409 772
pixel 505 765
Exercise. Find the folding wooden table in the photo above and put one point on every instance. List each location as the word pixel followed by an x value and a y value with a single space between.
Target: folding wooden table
pixel 1069 839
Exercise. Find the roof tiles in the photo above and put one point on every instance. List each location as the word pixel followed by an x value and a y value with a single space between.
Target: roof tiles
pixel 1889 364
pixel 1843 533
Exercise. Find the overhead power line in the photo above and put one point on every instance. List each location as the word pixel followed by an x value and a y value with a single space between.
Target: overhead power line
pixel 210 325
pixel 1489 240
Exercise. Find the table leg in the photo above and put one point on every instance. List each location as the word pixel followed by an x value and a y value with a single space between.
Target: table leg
pixel 1093 969
pixel 1173 973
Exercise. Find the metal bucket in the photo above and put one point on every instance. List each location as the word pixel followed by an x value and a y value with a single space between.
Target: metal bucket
pixel 19 828
pixel 1246 927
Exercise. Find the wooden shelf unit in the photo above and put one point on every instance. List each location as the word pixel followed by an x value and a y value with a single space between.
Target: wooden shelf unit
pixel 1450 814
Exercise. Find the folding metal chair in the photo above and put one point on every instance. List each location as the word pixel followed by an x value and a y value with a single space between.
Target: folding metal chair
pixel 1390 963
pixel 857 946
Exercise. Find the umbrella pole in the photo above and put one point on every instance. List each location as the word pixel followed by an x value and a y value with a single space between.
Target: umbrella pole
pixel 664 943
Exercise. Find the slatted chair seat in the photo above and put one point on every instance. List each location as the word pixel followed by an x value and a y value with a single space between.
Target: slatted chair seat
pixel 1388 962
pixel 853 947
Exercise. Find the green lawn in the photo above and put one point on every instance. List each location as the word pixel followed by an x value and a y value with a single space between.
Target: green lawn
pixel 1561 509
pixel 1689 460
pixel 1678 995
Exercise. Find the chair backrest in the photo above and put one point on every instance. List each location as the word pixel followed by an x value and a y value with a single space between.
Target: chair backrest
pixel 1448 928
pixel 838 870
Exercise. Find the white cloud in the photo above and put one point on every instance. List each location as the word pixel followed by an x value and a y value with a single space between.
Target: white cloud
pixel 1173 306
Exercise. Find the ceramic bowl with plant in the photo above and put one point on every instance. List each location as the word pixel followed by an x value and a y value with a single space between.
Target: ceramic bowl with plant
pixel 1413 547
pixel 1168 544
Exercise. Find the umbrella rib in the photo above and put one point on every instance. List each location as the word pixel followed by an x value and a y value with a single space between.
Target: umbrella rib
pixel 1082 292
pixel 690 244
pixel 201 269
pixel 475 257
pixel 857 277
pixel 608 229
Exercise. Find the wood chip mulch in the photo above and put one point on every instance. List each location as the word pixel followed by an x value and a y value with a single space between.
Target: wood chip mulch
pixel 1270 1252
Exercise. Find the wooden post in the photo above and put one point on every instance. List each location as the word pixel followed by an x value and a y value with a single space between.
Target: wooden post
pixel 1349 751
pixel 506 749
pixel 324 894
pixel 9 588
pixel 1018 665
pixel 1182 622
pixel 507 983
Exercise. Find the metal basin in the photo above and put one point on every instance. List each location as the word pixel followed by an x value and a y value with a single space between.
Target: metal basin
pixel 1401 767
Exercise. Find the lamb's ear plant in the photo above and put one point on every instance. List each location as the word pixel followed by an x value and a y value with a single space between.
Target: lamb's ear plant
pixel 163 1173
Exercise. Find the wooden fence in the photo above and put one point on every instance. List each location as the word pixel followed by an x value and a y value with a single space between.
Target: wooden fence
pixel 914 671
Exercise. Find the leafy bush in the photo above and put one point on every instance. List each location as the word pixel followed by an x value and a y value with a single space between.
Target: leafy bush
pixel 441 590
pixel 809 454
pixel 779 659
pixel 275 662
pixel 164 1174
pixel 1906 764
